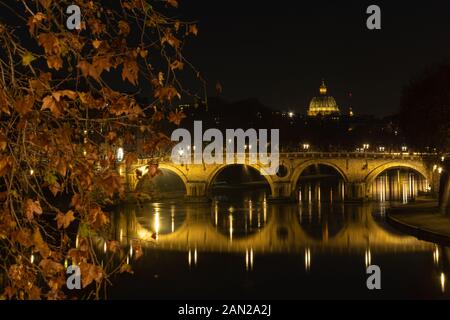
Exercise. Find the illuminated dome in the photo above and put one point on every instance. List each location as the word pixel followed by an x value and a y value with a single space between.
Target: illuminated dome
pixel 323 105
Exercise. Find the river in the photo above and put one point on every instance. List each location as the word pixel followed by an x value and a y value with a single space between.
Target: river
pixel 242 246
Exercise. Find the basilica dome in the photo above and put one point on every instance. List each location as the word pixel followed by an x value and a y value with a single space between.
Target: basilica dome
pixel 323 105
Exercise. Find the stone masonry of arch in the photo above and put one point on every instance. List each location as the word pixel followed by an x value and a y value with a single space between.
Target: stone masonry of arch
pixel 358 170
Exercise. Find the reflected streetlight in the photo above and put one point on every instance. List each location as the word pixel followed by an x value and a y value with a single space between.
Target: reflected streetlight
pixel 156 223
pixel 230 219
pixel 436 255
pixel 249 259
pixel 307 259
pixel 172 215
pixel 368 258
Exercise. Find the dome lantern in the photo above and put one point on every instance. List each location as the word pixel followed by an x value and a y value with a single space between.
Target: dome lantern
pixel 323 88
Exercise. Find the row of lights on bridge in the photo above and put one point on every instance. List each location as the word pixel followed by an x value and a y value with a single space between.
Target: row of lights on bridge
pixel 365 147
pixel 305 146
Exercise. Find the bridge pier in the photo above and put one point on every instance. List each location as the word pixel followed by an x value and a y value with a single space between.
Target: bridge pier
pixel 355 191
pixel 281 191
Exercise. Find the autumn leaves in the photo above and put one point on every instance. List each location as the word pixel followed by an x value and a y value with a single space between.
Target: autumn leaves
pixel 67 103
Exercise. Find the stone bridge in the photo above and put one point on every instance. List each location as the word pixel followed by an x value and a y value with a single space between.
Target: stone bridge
pixel 358 171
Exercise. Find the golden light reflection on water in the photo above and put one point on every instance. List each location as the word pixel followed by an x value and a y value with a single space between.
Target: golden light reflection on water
pixel 249 259
pixel 307 259
pixel 368 258
pixel 353 230
pixel 195 257
pixel 436 255
pixel 156 222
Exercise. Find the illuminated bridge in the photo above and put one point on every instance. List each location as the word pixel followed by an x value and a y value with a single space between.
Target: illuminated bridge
pixel 357 170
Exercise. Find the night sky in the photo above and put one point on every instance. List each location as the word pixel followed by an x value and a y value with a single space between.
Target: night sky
pixel 279 51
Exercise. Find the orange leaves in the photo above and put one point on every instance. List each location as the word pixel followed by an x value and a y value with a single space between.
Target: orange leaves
pixel 126 268
pixel 40 244
pixel 61 166
pixel 124 28
pixel 98 66
pixel 45 3
pixel 176 117
pixel 54 62
pixel 138 253
pixel 113 246
pixel 64 220
pixel 7 224
pixel 64 93
pixel 96 43
pixel 97 218
pixel 111 183
pixel 50 103
pixel 130 158
pixel 167 93
pixel 50 43
pixel 90 273
pixel 10 292
pixel 96 26
pixel 53 48
pixel 177 65
pixel 6 165
pixel 219 88
pixel 31 208
pixel 173 3
pixel 23 237
pixel 55 104
pixel 158 116
pixel 153 170
pixel 3 142
pixel 76 202
pixel 34 20
pixel 193 29
pixel 51 268
pixel 130 71
pixel 4 105
pixel 24 105
pixel 55 188
pixel 169 38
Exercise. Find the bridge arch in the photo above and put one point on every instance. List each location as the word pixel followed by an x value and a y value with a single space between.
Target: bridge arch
pixel 421 170
pixel 297 172
pixel 173 169
pixel 212 177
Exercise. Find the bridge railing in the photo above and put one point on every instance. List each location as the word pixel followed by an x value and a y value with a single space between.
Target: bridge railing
pixel 323 155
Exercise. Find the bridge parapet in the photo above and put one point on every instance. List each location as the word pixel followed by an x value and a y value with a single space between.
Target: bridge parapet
pixel 358 170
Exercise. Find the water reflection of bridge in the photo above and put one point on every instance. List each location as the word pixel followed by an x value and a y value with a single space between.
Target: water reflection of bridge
pixel 281 233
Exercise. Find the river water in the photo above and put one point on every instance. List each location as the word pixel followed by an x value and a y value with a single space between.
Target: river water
pixel 243 246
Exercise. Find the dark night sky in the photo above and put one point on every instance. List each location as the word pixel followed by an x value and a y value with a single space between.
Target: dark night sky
pixel 279 51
